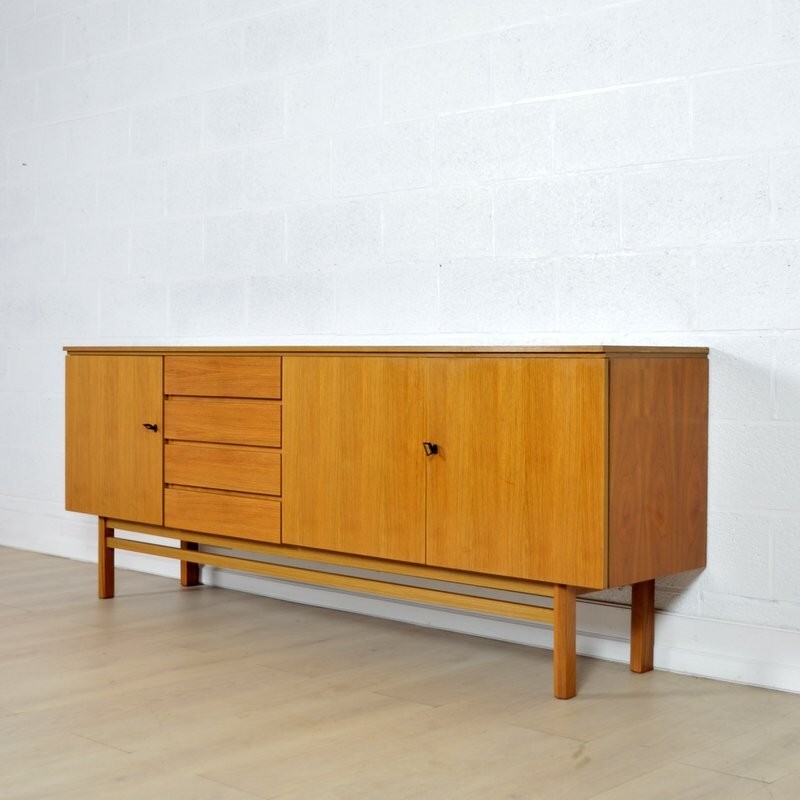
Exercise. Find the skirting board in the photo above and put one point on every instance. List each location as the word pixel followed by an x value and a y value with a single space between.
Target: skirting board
pixel 727 651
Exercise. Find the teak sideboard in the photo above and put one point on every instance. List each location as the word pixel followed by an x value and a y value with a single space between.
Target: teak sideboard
pixel 540 472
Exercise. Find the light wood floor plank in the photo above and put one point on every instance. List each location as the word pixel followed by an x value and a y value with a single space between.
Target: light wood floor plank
pixel 766 753
pixel 787 788
pixel 216 695
pixel 688 783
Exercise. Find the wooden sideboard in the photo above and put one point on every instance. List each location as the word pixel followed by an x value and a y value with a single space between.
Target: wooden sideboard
pixel 543 472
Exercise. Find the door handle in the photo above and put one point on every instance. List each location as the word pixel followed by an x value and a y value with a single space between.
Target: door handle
pixel 151 426
pixel 431 449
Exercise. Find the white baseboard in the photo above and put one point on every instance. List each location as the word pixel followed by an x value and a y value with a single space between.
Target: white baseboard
pixel 727 651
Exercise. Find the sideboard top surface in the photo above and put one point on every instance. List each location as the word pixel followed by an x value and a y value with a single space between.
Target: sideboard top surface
pixel 567 350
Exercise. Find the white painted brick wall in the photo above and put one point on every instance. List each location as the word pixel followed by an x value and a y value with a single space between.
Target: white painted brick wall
pixel 287 171
pixel 245 244
pixel 679 203
pixel 401 300
pixel 785 185
pixel 498 144
pixel 443 77
pixel 384 158
pixel 155 19
pixel 472 171
pixel 338 96
pixel 292 304
pixel 566 54
pixel 746 111
pixel 630 292
pixel 166 128
pixel 289 38
pixel 243 113
pixel 96 29
pixel 640 125
pixel 563 214
pixel 35 47
pixel 517 295
pixel 337 236
pixel 379 26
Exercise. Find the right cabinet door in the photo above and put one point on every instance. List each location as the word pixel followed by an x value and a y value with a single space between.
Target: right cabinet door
pixel 518 486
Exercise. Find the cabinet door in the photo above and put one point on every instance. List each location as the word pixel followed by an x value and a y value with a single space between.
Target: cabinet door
pixel 113 463
pixel 518 486
pixel 353 461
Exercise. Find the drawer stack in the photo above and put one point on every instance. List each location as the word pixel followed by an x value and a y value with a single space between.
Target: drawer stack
pixel 222 459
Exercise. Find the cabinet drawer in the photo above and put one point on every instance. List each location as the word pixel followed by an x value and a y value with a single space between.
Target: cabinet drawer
pixel 219 467
pixel 223 376
pixel 226 514
pixel 197 419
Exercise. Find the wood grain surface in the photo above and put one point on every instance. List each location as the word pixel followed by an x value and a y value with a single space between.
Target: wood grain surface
pixel 658 433
pixel 394 350
pixel 518 487
pixel 243 469
pixel 243 516
pixel 223 375
pixel 564 650
pixel 643 625
pixel 201 419
pixel 113 463
pixel 353 463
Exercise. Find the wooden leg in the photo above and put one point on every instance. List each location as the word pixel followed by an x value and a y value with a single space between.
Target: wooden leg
pixel 564 642
pixel 105 560
pixel 190 572
pixel 642 625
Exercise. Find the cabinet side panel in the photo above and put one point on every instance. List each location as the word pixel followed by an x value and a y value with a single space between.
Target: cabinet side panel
pixel 658 465
pixel 114 465
pixel 353 461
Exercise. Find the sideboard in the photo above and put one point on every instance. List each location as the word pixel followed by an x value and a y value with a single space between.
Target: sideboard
pixel 539 472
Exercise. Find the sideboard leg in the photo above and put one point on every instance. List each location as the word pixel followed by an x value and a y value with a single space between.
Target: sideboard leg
pixel 564 642
pixel 105 560
pixel 190 572
pixel 642 625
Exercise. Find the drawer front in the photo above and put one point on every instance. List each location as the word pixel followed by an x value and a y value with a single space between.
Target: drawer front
pixel 223 376
pixel 225 514
pixel 213 467
pixel 199 419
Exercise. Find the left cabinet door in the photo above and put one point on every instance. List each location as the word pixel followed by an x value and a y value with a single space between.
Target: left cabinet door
pixel 353 463
pixel 114 463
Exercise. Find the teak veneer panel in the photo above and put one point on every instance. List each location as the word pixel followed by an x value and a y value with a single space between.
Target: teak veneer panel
pixel 353 462
pixel 114 463
pixel 223 467
pixel 199 419
pixel 244 517
pixel 518 487
pixel 394 350
pixel 658 430
pixel 223 376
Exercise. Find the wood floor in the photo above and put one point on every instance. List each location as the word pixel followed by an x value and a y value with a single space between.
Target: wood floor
pixel 215 695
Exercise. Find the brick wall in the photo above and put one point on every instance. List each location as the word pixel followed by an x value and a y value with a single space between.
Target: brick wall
pixel 438 171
